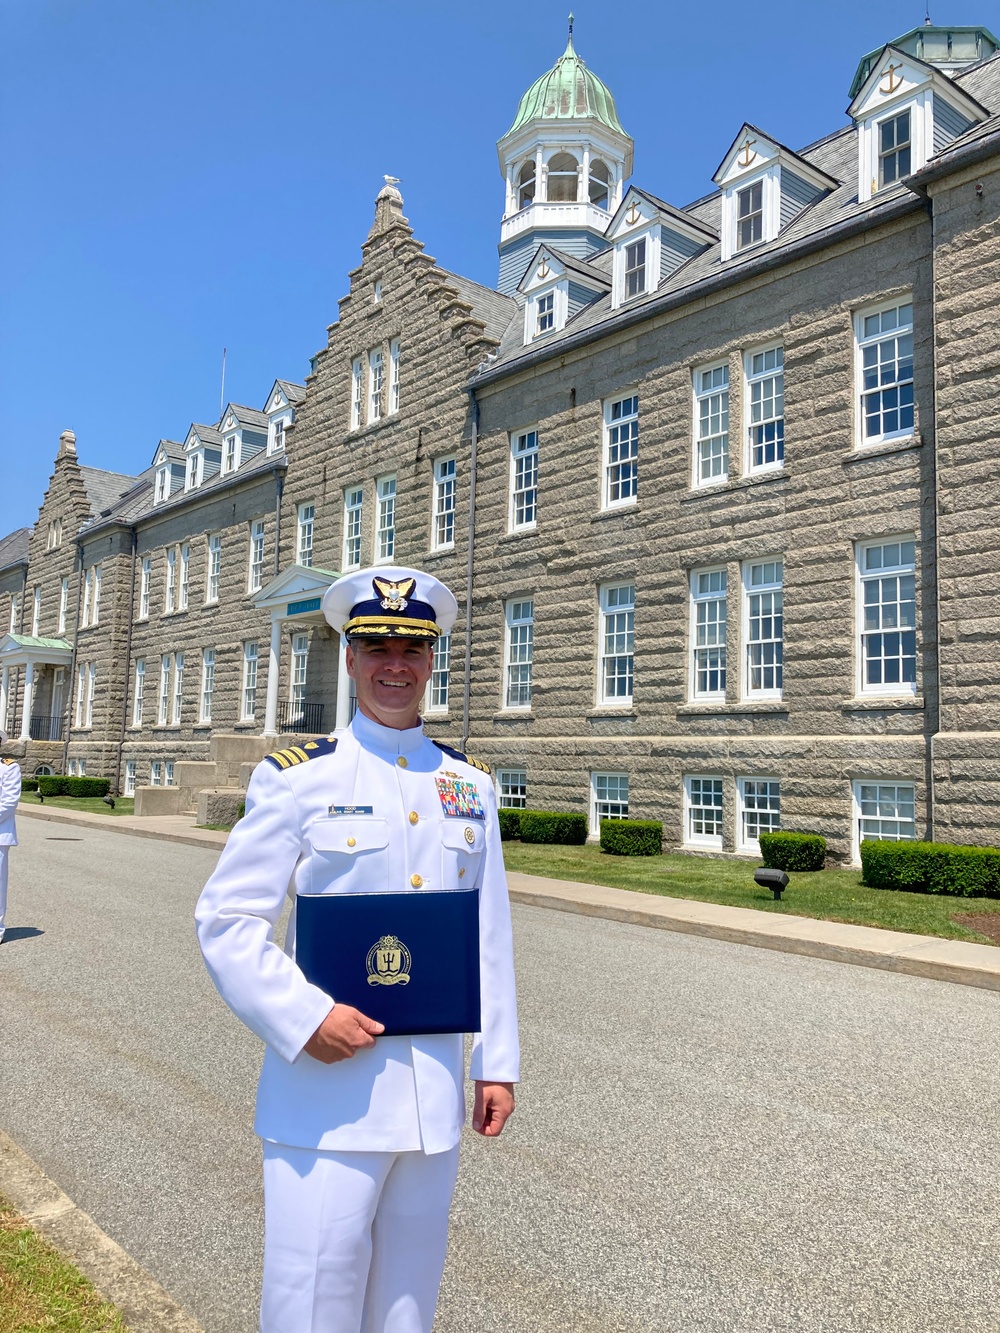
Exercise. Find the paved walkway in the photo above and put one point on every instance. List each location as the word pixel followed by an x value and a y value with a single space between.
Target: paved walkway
pixel 868 946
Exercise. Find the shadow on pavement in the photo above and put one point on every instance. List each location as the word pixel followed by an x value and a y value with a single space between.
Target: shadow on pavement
pixel 13 933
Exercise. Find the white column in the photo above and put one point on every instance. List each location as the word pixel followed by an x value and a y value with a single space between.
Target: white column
pixel 583 182
pixel 4 695
pixel 273 667
pixel 539 177
pixel 29 693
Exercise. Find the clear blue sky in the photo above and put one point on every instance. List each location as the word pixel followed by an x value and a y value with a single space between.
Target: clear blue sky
pixel 183 175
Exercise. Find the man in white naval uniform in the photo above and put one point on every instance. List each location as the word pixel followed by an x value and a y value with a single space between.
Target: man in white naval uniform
pixel 360 1130
pixel 10 794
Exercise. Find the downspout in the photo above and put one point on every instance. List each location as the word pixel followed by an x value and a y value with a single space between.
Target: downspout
pixel 467 682
pixel 128 663
pixel 72 664
pixel 279 488
pixel 934 722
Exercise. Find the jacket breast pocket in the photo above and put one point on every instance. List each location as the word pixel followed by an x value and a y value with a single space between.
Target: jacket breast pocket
pixel 463 844
pixel 348 855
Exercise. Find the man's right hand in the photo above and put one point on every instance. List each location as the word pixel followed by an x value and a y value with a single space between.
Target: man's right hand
pixel 344 1031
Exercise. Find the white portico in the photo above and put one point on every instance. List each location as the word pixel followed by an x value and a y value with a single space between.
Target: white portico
pixel 294 600
pixel 45 664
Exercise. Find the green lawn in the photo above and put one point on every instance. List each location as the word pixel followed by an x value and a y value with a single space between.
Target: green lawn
pixel 39 1290
pixel 124 805
pixel 831 895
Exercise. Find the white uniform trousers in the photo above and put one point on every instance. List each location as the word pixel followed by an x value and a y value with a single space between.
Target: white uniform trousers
pixel 3 888
pixel 354 1242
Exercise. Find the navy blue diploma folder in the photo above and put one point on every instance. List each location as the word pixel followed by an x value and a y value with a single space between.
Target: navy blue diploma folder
pixel 409 960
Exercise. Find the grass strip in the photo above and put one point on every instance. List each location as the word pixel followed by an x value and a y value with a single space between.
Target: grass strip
pixel 40 1291
pixel 826 895
pixel 94 805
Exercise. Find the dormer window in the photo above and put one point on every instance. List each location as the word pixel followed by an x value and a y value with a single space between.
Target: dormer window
pixel 545 316
pixel 749 215
pixel 635 269
pixel 230 465
pixel 526 185
pixel 600 184
pixel 893 149
pixel 162 484
pixel 193 472
pixel 563 179
pixel 278 441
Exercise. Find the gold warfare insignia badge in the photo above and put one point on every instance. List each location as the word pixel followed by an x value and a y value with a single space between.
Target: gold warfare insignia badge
pixel 389 962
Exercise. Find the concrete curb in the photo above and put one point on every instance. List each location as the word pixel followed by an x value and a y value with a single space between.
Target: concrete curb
pixel 145 1305
pixel 139 828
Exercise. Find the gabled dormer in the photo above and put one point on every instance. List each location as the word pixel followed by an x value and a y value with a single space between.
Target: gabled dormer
pixel 764 186
pixel 906 110
pixel 169 465
pixel 555 287
pixel 202 455
pixel 650 239
pixel 280 412
pixel 244 434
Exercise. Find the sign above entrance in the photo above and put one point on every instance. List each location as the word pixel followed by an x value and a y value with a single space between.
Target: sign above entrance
pixel 300 608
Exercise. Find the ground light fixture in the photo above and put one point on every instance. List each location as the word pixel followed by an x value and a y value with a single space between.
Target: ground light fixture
pixel 775 880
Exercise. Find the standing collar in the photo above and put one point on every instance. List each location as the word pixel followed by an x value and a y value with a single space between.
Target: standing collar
pixel 373 736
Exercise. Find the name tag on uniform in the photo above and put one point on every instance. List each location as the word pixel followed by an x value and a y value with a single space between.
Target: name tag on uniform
pixel 350 810
pixel 460 800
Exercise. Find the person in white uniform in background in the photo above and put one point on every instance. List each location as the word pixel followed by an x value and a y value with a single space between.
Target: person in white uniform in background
pixel 10 794
pixel 361 1130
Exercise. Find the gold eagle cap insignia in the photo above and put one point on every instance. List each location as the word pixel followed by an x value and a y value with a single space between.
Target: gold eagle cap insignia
pixel 394 595
pixel 388 962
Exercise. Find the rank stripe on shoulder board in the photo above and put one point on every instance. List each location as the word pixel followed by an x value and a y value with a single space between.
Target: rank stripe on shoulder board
pixel 301 754
pixel 465 758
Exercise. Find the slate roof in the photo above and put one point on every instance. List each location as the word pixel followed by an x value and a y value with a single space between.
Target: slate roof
pixel 493 308
pixel 295 393
pixel 14 548
pixel 104 488
pixel 207 434
pixel 172 448
pixel 246 416
pixel 823 220
pixel 586 270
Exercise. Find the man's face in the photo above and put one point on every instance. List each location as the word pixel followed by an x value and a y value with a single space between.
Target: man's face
pixel 390 676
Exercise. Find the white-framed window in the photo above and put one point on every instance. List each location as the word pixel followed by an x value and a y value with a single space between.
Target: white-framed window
pixel 608 798
pixel 88 592
pixel 214 567
pixel 95 613
pixel 15 611
pixel 300 669
pixel 617 646
pixel 703 811
pixel 162 484
pixel 376 374
pixel 385 527
pixel 140 688
pixel 377 292
pixel 518 652
pixel 762 628
pixel 129 788
pixel 765 396
pixel 394 376
pixel 512 788
pixel 353 501
pixel 883 811
pixel 635 268
pixel 145 575
pixel 885 372
pixel 170 592
pixel 81 691
pixel 444 502
pixel 276 443
pixel 163 696
pixel 545 313
pixel 156 773
pixel 437 687
pixel 248 706
pixel 621 451
pixel 894 148
pixel 88 710
pixel 63 605
pixel 759 811
pixel 708 634
pixel 194 471
pixel 229 458
pixel 175 717
pixel 185 583
pixel 523 480
pixel 887 615
pixel 750 215
pixel 168 773
pixel 304 535
pixel 357 393
pixel 207 684
pixel 78 768
pixel 255 574
pixel 36 611
pixel 711 424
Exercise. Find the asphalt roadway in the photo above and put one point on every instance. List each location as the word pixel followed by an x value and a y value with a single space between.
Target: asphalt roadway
pixel 709 1136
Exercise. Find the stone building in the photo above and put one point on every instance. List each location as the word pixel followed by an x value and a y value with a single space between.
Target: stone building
pixel 713 485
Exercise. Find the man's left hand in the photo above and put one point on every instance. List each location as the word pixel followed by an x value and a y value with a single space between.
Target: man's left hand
pixel 493 1106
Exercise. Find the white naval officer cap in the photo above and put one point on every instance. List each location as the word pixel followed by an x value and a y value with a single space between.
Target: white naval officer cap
pixel 389 601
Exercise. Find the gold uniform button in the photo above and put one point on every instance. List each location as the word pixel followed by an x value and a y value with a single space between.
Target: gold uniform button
pixel 401 761
pixel 351 842
pixel 461 872
pixel 413 816
pixel 416 881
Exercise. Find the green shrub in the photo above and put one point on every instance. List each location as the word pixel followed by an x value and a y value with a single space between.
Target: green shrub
pixel 931 867
pixel 29 784
pixel 241 810
pixel 553 826
pixel 793 851
pixel 510 824
pixel 62 786
pixel 632 837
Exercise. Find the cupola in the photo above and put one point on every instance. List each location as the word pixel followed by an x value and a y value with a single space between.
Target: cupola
pixel 564 160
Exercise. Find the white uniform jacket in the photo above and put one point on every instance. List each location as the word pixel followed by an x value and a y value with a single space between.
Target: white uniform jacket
pixel 10 794
pixel 405 1093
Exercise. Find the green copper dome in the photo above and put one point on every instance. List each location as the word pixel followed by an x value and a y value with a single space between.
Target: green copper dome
pixel 569 91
